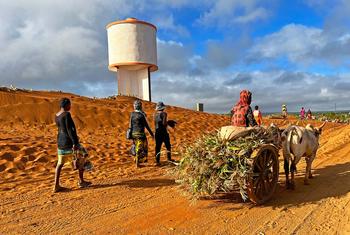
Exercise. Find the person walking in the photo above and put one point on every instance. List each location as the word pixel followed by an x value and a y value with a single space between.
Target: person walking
pixel 242 114
pixel 162 135
pixel 284 111
pixel 309 114
pixel 257 115
pixel 138 123
pixel 67 143
pixel 302 113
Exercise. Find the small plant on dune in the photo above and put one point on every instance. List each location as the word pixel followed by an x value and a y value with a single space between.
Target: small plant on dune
pixel 211 165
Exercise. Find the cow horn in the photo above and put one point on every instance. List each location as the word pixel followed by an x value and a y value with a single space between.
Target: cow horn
pixel 320 128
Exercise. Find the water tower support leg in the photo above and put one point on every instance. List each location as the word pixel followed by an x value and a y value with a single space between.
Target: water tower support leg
pixel 149 84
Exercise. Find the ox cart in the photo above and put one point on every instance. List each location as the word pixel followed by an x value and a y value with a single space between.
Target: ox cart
pixel 243 159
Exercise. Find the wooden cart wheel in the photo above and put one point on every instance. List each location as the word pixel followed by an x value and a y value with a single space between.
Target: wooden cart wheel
pixel 263 181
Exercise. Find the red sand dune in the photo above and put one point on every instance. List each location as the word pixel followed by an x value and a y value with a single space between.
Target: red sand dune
pixel 147 200
pixel 28 137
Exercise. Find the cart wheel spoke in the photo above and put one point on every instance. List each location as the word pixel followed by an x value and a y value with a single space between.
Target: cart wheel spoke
pixel 263 159
pixel 263 188
pixel 266 154
pixel 271 183
pixel 268 159
pixel 259 168
pixel 258 186
pixel 267 186
pixel 261 163
pixel 256 182
pixel 269 165
pixel 258 190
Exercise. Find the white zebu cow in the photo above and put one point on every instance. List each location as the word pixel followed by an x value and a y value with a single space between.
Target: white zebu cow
pixel 298 142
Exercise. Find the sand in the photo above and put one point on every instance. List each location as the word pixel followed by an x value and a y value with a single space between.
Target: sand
pixel 124 199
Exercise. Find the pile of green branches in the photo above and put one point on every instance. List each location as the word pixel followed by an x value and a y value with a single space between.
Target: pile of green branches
pixel 211 165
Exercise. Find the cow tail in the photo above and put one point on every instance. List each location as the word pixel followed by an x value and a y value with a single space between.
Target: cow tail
pixel 286 151
pixel 293 167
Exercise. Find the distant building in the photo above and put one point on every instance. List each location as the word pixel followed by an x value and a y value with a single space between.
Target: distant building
pixel 200 107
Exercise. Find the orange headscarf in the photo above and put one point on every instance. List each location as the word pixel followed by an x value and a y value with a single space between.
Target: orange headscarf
pixel 244 98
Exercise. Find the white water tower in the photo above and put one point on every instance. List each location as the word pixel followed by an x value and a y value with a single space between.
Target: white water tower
pixel 132 54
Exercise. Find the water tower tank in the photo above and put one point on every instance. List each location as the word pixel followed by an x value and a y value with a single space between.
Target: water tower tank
pixel 132 54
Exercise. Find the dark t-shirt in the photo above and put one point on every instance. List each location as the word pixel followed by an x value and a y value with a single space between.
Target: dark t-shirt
pixel 139 123
pixel 67 134
pixel 159 118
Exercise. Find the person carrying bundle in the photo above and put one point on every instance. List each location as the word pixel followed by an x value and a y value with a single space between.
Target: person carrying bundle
pixel 242 114
pixel 68 144
pixel 138 123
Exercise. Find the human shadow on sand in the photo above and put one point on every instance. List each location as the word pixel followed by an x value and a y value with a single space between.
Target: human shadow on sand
pixel 138 183
pixel 148 183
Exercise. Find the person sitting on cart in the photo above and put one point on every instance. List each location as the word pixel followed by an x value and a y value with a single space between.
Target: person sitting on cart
pixel 242 113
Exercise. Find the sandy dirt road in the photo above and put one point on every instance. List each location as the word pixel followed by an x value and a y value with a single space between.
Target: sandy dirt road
pixel 149 202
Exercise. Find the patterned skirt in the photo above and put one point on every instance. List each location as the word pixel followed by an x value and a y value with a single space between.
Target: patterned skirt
pixel 141 146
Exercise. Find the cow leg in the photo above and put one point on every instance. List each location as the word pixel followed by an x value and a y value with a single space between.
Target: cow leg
pixel 286 171
pixel 308 174
pixel 307 171
pixel 311 161
pixel 292 170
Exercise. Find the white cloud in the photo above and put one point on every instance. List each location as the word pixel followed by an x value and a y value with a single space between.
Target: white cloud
pixel 303 45
pixel 225 13
pixel 173 57
pixel 293 41
pixel 256 14
pixel 48 42
pixel 219 90
pixel 167 23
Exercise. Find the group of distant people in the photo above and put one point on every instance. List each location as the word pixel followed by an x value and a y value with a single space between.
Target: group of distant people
pixel 305 115
pixel 71 152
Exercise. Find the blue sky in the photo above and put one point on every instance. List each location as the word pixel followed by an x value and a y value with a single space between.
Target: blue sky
pixel 293 52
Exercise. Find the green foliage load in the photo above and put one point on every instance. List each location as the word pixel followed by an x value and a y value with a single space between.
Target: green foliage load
pixel 211 165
